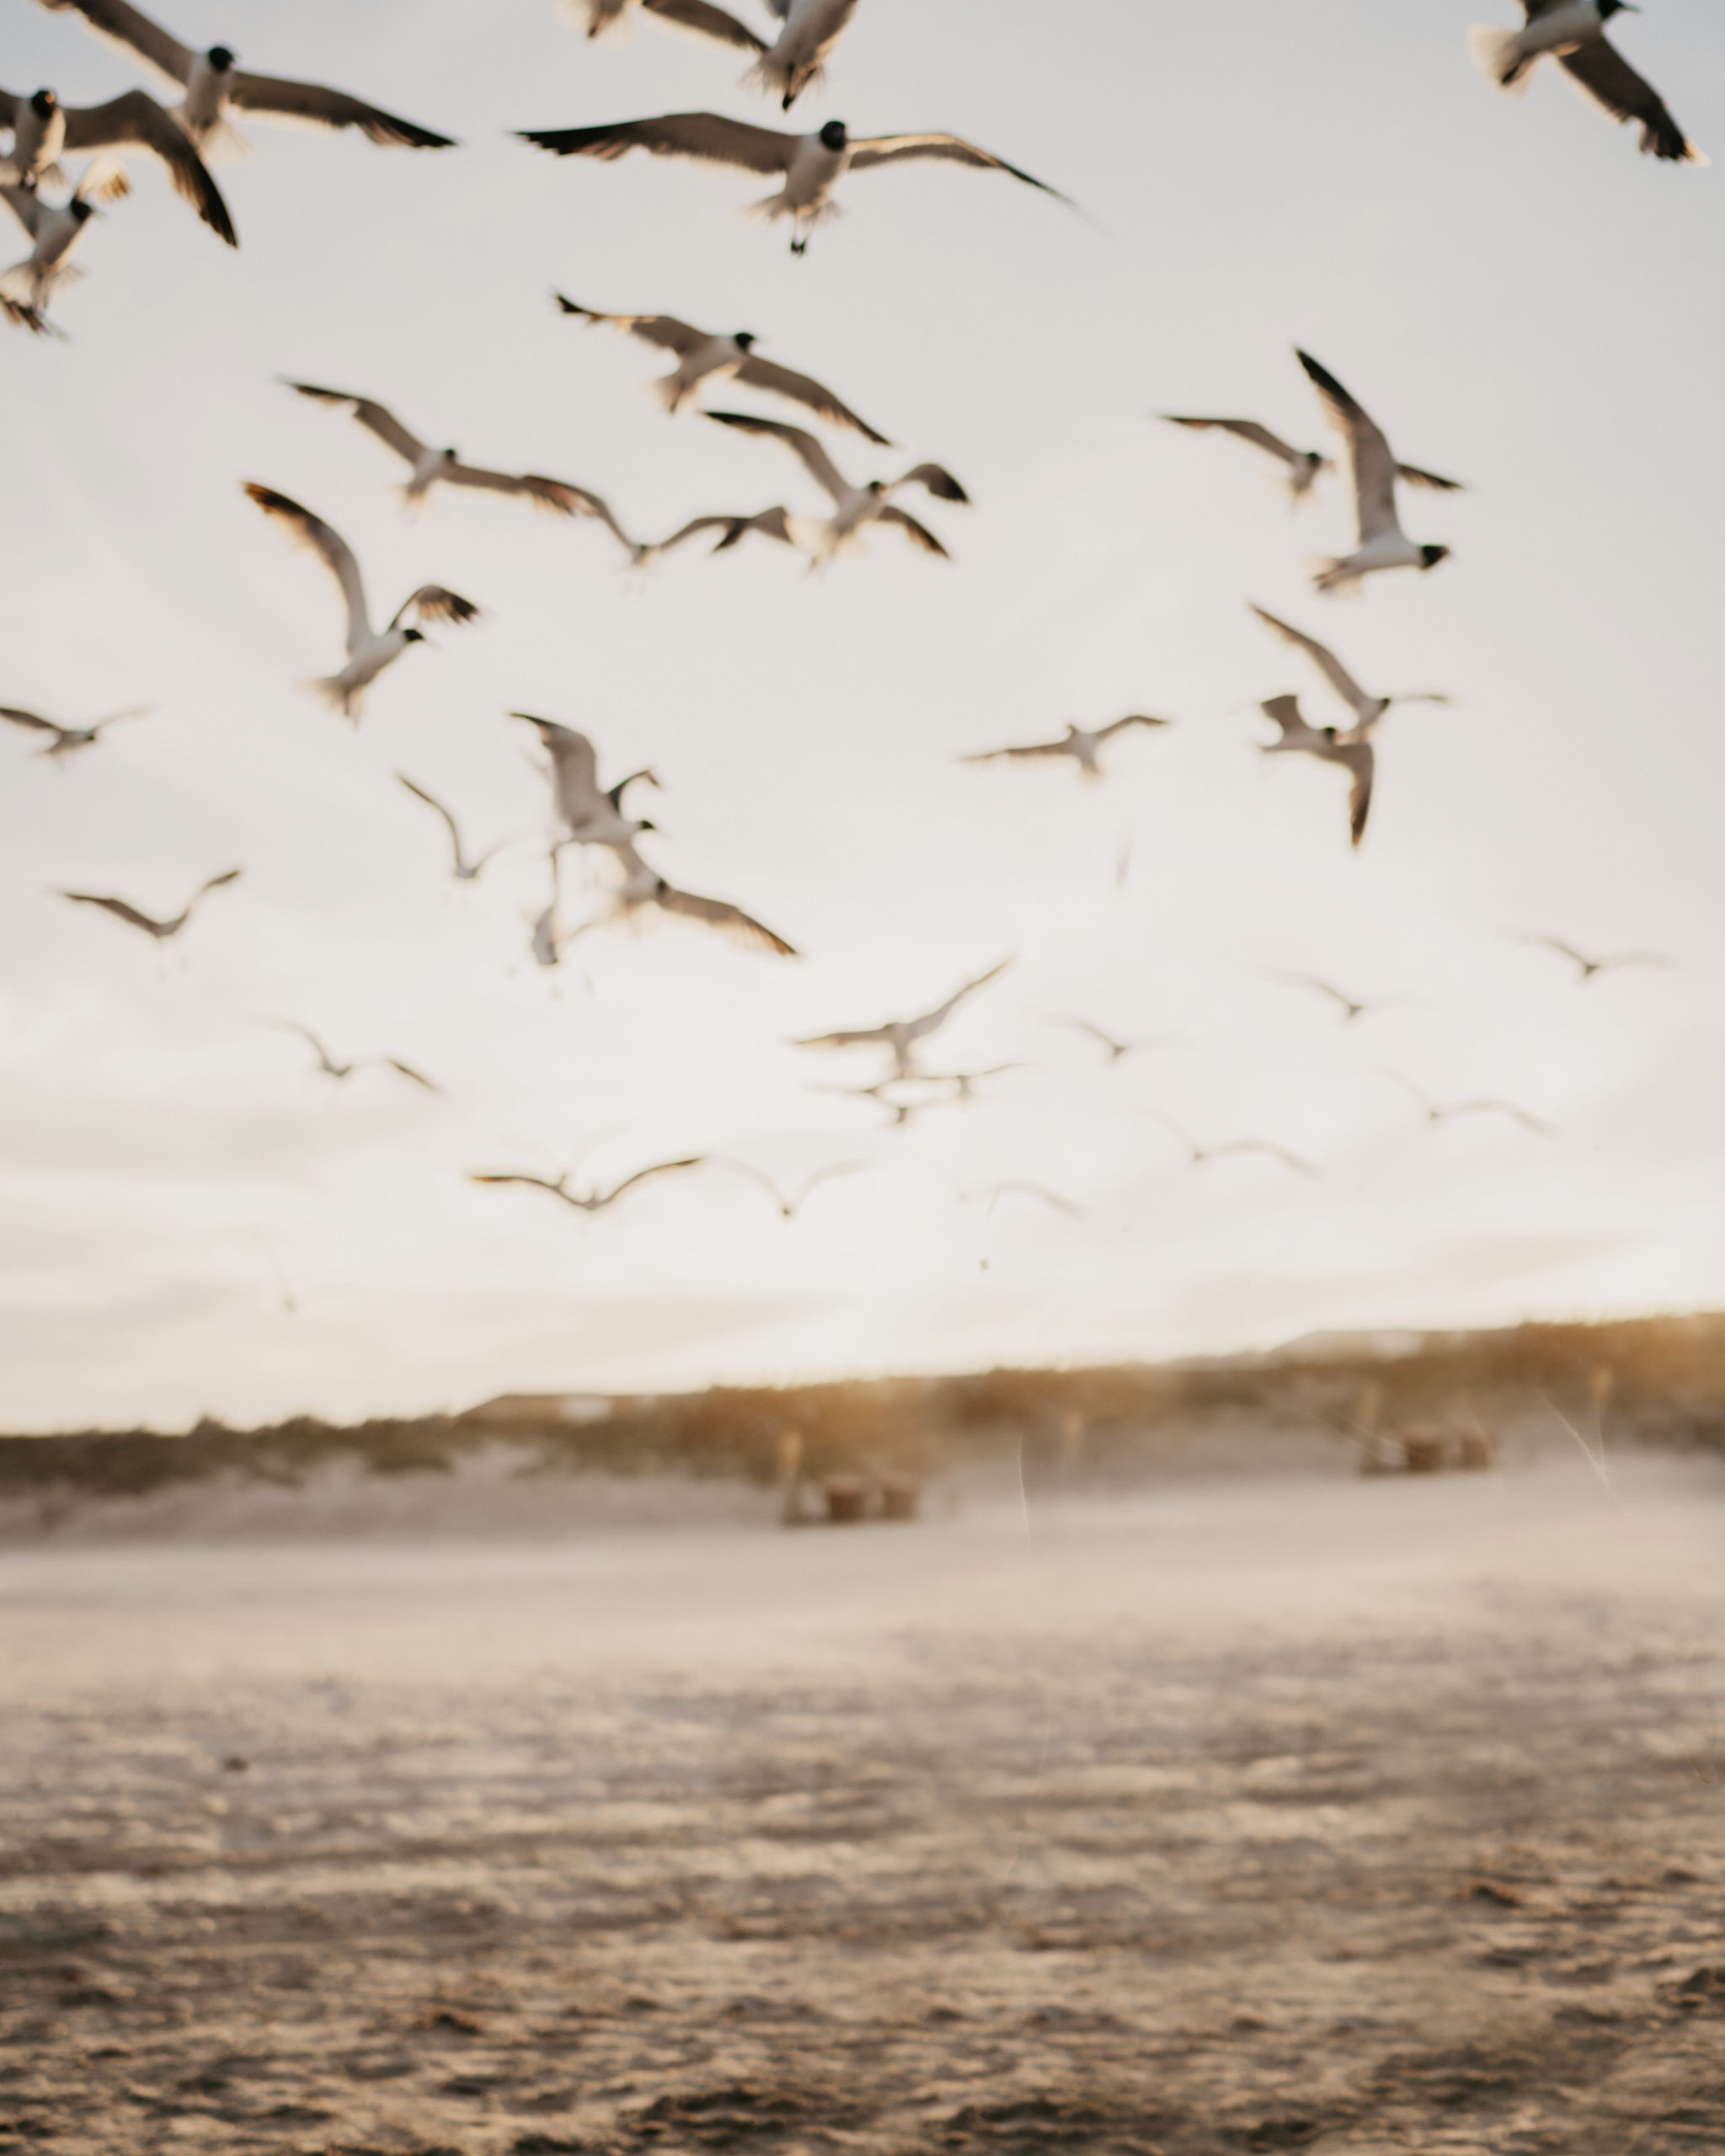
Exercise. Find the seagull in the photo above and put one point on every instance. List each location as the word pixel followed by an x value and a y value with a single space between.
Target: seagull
pixel 69 739
pixel 1201 1156
pixel 597 1201
pixel 1300 738
pixel 769 523
pixel 1383 544
pixel 855 508
pixel 160 932
pixel 1303 465
pixel 1367 709
pixel 799 54
pixel 43 128
pixel 593 815
pixel 368 650
pixel 964 1083
pixel 1350 1007
pixel 331 1069
pixel 1016 1187
pixel 1573 32
pixel 790 1206
pixel 697 15
pixel 56 229
pixel 901 1035
pixel 213 85
pixel 1079 743
pixel 811 166
pixel 548 938
pixel 1450 1112
pixel 466 871
pixel 1590 969
pixel 433 466
pixel 901 1114
pixel 643 886
pixel 1117 1051
pixel 704 356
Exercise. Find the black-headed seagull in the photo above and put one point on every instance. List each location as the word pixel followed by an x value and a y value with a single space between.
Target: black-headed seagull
pixel 43 130
pixel 68 739
pixel 1367 708
pixel 1382 542
pixel 854 508
pixel 1573 33
pixel 901 1036
pixel 158 930
pixel 592 815
pixel 1297 738
pixel 1081 743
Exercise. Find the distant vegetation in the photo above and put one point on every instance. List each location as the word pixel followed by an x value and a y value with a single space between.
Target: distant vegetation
pixel 1656 1381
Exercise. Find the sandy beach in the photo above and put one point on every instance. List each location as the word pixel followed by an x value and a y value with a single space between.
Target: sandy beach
pixel 1243 1814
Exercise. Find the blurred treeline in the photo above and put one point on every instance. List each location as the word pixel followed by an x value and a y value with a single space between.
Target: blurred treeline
pixel 1657 1381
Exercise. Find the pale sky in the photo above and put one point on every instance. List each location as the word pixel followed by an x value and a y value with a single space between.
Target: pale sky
pixel 1518 296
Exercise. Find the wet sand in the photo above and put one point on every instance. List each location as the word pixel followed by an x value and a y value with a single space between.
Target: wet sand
pixel 1251 1815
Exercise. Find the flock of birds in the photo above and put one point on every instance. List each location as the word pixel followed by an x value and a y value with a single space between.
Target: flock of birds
pixel 808 170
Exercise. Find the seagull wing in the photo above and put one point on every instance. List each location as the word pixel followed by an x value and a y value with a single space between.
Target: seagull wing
pixel 532 1183
pixel 327 542
pixel 641 1175
pixel 1552 943
pixel 802 444
pixel 1018 1188
pixel 26 207
pixel 315 106
pixel 820 1175
pixel 953 149
pixel 706 135
pixel 865 1038
pixel 120 910
pixel 407 1071
pixel 432 602
pixel 376 419
pixel 919 532
pixel 37 725
pixel 1603 75
pixel 664 330
pixel 1494 1107
pixel 214 883
pixel 803 389
pixel 1361 760
pixel 1270 1149
pixel 1368 451
pixel 757 1176
pixel 939 482
pixel 544 494
pixel 420 793
pixel 1132 718
pixel 731 920
pixel 1260 437
pixel 117 23
pixel 574 769
pixel 706 21
pixel 1413 476
pixel 595 505
pixel 135 118
pixel 928 1023
pixel 1285 712
pixel 1326 661
pixel 1018 750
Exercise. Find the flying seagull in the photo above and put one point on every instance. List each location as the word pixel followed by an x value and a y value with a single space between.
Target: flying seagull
pixel 1589 969
pixel 704 356
pixel 810 166
pixel 799 54
pixel 789 1206
pixel 432 466
pixel 1017 1186
pixel 213 85
pixel 1382 543
pixel 68 739
pixel 1080 744
pixel 1450 1112
pixel 1118 1050
pixel 593 814
pixel 596 1201
pixel 855 508
pixel 1573 32
pixel 1351 1007
pixel 1202 1156
pixel 700 16
pixel 160 932
pixel 1367 709
pixel 56 228
pixel 902 1035
pixel 641 886
pixel 901 1114
pixel 43 128
pixel 1355 754
pixel 464 871
pixel 1303 465
pixel 964 1083
pixel 368 650
pixel 331 1069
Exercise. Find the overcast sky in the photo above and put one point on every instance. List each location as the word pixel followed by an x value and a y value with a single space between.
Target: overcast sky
pixel 1518 296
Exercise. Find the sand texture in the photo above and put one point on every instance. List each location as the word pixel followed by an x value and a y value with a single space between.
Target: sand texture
pixel 1357 1815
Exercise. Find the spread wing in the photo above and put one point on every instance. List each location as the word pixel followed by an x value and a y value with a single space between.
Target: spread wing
pixel 1017 1187
pixel 574 764
pixel 1132 718
pixel 1368 451
pixel 1260 437
pixel 24 206
pixel 706 135
pixel 818 465
pixel 314 106
pixel 420 793
pixel 1286 713
pixel 919 532
pixel 1414 477
pixel 133 32
pixel 642 1175
pixel 706 21
pixel 532 1183
pixel 545 494
pixel 30 718
pixel 1361 760
pixel 1019 750
pixel 664 330
pixel 407 1071
pixel 803 389
pixel 952 149
pixel 135 118
pixel 327 543
pixel 939 482
pixel 119 909
pixel 730 920
pixel 432 602
pixel 939 1016
pixel 1326 661
pixel 1505 1108
pixel 1603 75
pixel 376 419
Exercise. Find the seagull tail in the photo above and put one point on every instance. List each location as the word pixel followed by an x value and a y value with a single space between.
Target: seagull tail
pixel 339 693
pixel 1498 55
pixel 1338 577
pixel 27 284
